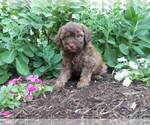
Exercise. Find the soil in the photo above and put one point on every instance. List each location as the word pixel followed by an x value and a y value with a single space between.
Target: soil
pixel 104 98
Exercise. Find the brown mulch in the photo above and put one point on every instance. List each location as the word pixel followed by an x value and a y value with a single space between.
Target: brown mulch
pixel 104 98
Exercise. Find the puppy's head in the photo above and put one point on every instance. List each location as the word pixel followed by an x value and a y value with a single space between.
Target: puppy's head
pixel 73 37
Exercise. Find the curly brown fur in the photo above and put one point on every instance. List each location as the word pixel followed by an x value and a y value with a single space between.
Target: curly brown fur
pixel 79 55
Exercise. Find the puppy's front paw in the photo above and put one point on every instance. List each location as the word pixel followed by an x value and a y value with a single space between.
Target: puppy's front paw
pixel 58 85
pixel 82 84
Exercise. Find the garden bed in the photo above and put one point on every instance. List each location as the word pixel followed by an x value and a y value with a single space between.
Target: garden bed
pixel 104 98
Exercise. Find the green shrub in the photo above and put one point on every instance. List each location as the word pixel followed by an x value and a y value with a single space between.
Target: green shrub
pixel 120 32
pixel 27 33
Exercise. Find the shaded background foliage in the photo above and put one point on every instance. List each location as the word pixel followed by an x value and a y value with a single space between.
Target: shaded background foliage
pixel 28 28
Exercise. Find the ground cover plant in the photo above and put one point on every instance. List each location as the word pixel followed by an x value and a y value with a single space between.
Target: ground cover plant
pixel 121 33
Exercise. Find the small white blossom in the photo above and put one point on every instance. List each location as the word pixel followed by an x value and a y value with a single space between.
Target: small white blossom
pixel 31 32
pixel 145 66
pixel 121 75
pixel 141 60
pixel 133 105
pixel 133 65
pixel 127 81
pixel 14 17
pixel 122 59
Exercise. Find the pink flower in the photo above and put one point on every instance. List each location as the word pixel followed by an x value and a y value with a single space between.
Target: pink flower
pixel 5 113
pixel 38 81
pixel 32 78
pixel 28 95
pixel 31 88
pixel 15 80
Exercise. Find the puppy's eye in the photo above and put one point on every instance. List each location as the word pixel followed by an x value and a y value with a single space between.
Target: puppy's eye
pixel 79 36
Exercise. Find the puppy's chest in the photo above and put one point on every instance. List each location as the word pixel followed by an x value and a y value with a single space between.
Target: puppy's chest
pixel 78 63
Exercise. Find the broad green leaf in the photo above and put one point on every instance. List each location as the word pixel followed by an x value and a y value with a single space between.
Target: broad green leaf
pixel 110 56
pixel 23 21
pixel 144 27
pixel 143 44
pixel 145 38
pixel 138 50
pixel 56 59
pixel 37 72
pixel 57 67
pixel 148 84
pixel 8 56
pixel 43 68
pixel 50 55
pixel 1 62
pixel 22 66
pixel 124 49
pixel 111 41
pixel 4 77
pixel 128 35
pixel 120 65
pixel 6 21
pixel 48 88
pixel 24 58
pixel 37 64
pixel 33 47
pixel 27 51
pixel 130 13
pixel 55 73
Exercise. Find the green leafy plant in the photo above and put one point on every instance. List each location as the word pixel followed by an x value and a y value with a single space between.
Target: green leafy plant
pixel 47 61
pixel 16 92
pixel 27 31
pixel 119 32
pixel 138 70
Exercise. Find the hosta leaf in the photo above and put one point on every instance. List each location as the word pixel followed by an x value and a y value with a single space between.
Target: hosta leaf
pixel 56 59
pixel 145 38
pixel 110 56
pixel 144 27
pixel 124 49
pixel 4 77
pixel 23 21
pixel 57 67
pixel 24 58
pixel 43 68
pixel 8 56
pixel 130 13
pixel 138 50
pixel 128 35
pixel 143 44
pixel 6 21
pixel 55 73
pixel 27 51
pixel 22 66
pixel 1 62
pixel 37 64
pixel 148 83
pixel 32 47
pixel 50 55
pixel 111 41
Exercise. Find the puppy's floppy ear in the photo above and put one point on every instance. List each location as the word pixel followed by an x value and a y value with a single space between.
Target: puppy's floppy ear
pixel 87 34
pixel 58 39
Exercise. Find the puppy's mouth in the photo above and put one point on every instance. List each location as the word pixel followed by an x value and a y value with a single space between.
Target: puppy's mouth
pixel 71 49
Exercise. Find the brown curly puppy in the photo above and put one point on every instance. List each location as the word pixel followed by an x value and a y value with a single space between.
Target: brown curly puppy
pixel 80 58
